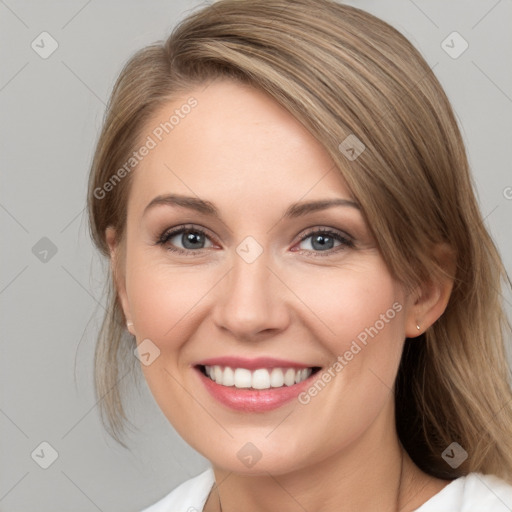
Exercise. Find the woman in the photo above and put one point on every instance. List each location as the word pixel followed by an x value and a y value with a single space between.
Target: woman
pixel 300 265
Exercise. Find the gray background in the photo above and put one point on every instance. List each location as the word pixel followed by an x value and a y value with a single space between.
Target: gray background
pixel 51 310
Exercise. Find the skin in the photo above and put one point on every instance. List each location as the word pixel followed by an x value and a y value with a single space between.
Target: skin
pixel 248 156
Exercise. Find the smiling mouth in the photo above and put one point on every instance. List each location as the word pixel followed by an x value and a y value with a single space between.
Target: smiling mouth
pixel 261 378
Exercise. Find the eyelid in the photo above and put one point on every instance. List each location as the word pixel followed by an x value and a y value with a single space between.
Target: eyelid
pixel 176 230
pixel 319 229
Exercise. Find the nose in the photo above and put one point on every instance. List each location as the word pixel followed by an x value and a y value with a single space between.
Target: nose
pixel 251 301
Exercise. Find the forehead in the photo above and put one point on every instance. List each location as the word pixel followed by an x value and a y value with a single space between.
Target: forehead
pixel 231 143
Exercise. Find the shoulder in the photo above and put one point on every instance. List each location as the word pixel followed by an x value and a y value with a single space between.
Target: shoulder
pixel 474 492
pixel 190 496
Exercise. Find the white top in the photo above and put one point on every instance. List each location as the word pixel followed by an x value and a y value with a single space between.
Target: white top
pixel 472 493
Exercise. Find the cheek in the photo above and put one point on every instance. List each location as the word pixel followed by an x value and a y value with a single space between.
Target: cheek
pixel 164 300
pixel 354 302
pixel 165 303
pixel 360 321
pixel 362 313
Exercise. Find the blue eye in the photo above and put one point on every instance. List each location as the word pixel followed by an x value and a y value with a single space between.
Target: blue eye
pixel 324 240
pixel 190 241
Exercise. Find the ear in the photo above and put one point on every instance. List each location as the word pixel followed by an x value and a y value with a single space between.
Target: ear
pixel 428 302
pixel 118 274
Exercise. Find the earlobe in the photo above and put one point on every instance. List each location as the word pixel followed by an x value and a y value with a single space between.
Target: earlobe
pixel 431 298
pixel 129 326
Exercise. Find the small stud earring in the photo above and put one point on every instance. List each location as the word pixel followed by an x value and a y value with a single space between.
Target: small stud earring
pixel 129 324
pixel 418 327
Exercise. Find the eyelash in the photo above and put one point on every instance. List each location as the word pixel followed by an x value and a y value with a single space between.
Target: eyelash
pixel 346 241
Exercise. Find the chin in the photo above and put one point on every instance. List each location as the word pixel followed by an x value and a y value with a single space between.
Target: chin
pixel 258 458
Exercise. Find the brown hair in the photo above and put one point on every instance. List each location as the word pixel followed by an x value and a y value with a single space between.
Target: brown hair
pixel 341 71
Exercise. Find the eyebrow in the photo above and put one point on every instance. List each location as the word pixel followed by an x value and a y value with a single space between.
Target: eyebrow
pixel 207 208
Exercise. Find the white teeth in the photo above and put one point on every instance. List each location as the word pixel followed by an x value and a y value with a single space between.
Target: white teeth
pixel 276 378
pixel 243 378
pixel 289 377
pixel 259 379
pixel 228 377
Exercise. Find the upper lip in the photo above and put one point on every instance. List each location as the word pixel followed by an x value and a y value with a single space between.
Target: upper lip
pixel 252 364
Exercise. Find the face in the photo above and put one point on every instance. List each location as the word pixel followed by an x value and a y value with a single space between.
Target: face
pixel 246 258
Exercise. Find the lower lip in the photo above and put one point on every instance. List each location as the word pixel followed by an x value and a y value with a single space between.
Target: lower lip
pixel 253 400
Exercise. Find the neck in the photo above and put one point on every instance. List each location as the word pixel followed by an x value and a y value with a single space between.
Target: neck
pixel 374 473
